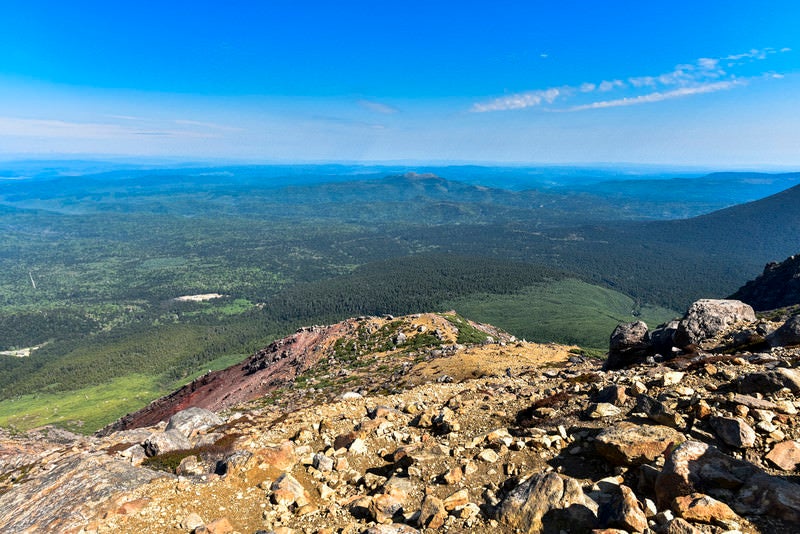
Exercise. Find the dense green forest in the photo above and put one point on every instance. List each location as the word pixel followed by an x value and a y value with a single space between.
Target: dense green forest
pixel 91 265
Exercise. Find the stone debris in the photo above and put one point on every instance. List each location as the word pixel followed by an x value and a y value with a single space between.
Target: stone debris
pixel 704 441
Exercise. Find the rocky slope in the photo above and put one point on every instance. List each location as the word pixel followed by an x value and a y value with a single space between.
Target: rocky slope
pixel 777 287
pixel 423 432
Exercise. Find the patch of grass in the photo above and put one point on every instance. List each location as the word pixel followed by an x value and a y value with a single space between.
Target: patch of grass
pixel 83 410
pixel 564 311
pixel 467 334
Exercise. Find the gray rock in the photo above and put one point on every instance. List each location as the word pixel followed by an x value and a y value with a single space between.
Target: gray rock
pixel 193 420
pixel 734 431
pixel 708 317
pixel 546 502
pixel 69 490
pixel 167 441
pixel 770 381
pixel 628 344
pixel 787 335
pixel 694 466
pixel 658 412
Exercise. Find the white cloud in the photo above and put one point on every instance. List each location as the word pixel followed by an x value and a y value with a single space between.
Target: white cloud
pixel 658 96
pixel 642 81
pixel 377 107
pixel 704 75
pixel 606 85
pixel 519 100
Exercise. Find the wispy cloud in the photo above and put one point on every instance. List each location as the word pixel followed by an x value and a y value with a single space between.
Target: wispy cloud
pixel 658 96
pixel 51 128
pixel 520 100
pixel 377 107
pixel 704 75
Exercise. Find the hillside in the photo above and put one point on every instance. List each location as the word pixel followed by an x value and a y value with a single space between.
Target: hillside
pixel 486 435
pixel 777 287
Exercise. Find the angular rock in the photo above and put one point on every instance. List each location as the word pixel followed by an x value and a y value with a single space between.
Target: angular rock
pixel 702 508
pixel 74 487
pixel 601 410
pixel 770 381
pixel 193 420
pixel 191 522
pixel 785 455
pixel 622 511
pixel 709 317
pixel 694 466
pixel 628 344
pixel 281 457
pixel 168 441
pixel 550 498
pixel 630 444
pixel 386 507
pixel 734 431
pixel 613 394
pixel 681 526
pixel 287 490
pixel 787 335
pixel 456 500
pixel 658 412
pixel 432 513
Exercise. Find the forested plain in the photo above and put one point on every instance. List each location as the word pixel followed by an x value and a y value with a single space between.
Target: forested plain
pixel 91 264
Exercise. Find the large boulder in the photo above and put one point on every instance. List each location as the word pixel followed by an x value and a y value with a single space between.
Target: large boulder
pixel 167 441
pixel 708 317
pixel 546 502
pixel 697 467
pixel 631 444
pixel 628 344
pixel 193 420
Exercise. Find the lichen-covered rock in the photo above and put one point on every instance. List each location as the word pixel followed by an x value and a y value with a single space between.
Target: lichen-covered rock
pixel 709 317
pixel 629 342
pixel 163 442
pixel 744 487
pixel 70 489
pixel 630 444
pixel 193 420
pixel 546 497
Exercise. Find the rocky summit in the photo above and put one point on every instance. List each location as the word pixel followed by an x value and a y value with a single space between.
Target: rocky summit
pixel 432 423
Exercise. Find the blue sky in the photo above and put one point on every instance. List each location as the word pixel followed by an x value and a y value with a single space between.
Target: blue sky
pixel 687 83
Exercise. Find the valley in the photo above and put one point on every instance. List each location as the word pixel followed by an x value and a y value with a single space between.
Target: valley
pixel 95 268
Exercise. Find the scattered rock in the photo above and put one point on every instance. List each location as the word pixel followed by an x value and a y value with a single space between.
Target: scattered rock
pixel 734 431
pixel 785 455
pixel 627 443
pixel 702 508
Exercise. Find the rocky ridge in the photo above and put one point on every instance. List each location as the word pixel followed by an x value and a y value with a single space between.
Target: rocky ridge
pixel 491 435
pixel 777 287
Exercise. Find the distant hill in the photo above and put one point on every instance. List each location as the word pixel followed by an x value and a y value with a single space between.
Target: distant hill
pixel 676 262
pixel 777 287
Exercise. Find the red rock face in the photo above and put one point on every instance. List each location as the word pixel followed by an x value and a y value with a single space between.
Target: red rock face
pixel 258 375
